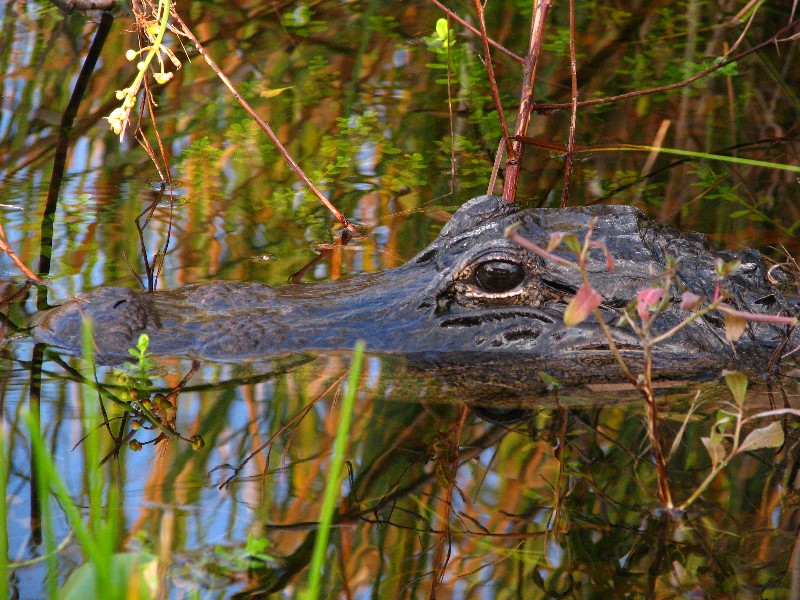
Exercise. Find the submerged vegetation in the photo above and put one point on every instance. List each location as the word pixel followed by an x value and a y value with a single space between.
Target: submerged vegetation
pixel 243 125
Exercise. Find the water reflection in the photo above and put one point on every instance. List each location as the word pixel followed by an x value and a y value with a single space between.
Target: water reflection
pixel 548 496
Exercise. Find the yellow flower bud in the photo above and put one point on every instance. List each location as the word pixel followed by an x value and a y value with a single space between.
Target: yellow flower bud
pixel 162 77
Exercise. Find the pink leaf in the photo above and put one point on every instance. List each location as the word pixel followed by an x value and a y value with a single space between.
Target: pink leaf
pixel 647 298
pixel 555 240
pixel 606 253
pixel 582 304
pixel 690 301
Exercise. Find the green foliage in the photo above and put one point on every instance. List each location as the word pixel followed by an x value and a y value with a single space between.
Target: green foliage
pixel 442 38
pixel 301 21
pixel 144 364
pixel 558 43
pixel 718 188
pixel 253 555
pixel 472 163
pixel 202 149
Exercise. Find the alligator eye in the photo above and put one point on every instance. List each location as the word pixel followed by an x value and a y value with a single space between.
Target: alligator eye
pixel 497 276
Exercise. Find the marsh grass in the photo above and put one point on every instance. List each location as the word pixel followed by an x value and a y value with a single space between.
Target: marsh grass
pixel 4 464
pixel 333 483
pixel 98 531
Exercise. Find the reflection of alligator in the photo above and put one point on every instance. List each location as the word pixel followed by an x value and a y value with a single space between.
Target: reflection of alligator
pixel 471 303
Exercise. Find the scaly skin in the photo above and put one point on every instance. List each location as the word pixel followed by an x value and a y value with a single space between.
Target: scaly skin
pixel 438 310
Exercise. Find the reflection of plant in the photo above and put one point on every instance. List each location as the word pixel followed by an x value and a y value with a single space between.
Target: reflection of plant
pixel 253 555
pixel 107 573
pixel 760 209
pixel 770 436
pixel 150 411
pixel 647 306
pixel 333 485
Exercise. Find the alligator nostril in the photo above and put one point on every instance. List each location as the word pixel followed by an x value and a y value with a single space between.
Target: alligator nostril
pixel 497 276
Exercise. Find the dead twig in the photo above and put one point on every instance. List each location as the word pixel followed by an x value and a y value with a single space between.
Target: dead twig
pixel 487 59
pixel 574 115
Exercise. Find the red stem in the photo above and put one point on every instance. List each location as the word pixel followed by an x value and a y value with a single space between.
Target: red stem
pixel 514 158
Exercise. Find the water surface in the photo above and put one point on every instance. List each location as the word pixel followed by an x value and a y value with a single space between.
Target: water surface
pixel 561 503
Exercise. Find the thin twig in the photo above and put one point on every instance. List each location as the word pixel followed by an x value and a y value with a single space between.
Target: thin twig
pixel 574 112
pixel 539 107
pixel 526 105
pixel 495 168
pixel 487 59
pixel 450 117
pixel 6 247
pixel 265 127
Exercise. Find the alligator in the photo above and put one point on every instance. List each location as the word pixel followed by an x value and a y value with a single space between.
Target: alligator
pixel 473 305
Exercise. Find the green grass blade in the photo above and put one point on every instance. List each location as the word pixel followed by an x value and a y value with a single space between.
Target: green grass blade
pixel 691 154
pixel 91 444
pixel 3 514
pixel 334 478
pixel 51 480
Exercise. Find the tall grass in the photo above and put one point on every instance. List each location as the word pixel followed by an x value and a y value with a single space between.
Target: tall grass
pixel 333 485
pixel 3 514
pixel 97 534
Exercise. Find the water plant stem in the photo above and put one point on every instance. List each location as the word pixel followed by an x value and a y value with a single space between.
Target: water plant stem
pixel 514 157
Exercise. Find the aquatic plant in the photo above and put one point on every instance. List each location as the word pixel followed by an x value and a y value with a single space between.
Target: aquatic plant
pixel 647 306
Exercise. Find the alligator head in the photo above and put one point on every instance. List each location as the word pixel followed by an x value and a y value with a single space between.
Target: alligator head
pixel 470 301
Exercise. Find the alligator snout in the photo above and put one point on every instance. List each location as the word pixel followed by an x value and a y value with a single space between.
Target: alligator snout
pixel 470 297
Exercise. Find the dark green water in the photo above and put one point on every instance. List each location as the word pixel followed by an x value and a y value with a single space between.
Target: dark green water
pixel 561 505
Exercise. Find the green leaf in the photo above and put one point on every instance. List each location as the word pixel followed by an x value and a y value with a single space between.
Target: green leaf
pixel 715 450
pixel 573 243
pixel 442 30
pixel 737 384
pixel 551 382
pixel 136 575
pixel 770 436
pixel 271 93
